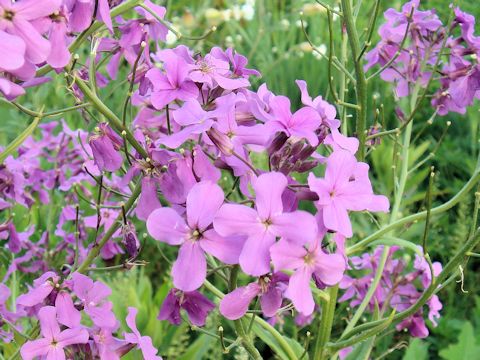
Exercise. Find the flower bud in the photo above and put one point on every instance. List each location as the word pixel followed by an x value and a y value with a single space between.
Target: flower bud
pixel 130 240
pixel 221 141
pixel 277 143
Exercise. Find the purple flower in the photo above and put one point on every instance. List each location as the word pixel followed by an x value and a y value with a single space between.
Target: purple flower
pixel 172 85
pixel 148 200
pixel 212 71
pixel 307 262
pixel 264 223
pixel 196 305
pixel 105 148
pixel 17 18
pixel 194 120
pixel 144 343
pixel 345 187
pixel 195 235
pixel 270 290
pixel 53 341
pixel 92 296
pixel 300 125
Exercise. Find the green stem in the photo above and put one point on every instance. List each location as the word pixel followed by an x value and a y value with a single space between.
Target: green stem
pixel 418 216
pixel 95 250
pixel 447 270
pixel 361 81
pixel 239 329
pixel 326 323
pixel 19 139
pixel 112 118
pixel 265 325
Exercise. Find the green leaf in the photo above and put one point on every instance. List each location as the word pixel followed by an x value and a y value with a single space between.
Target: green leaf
pixel 198 349
pixel 466 348
pixel 268 339
pixel 19 140
pixel 417 350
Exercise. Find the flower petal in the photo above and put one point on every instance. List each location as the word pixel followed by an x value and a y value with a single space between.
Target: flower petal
pixel 255 257
pixel 203 202
pixel 235 304
pixel 166 225
pixel 190 269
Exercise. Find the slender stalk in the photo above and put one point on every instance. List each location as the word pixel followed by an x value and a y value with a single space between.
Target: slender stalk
pixel 95 250
pixel 450 268
pixel 361 81
pixel 244 338
pixel 418 216
pixel 112 118
pixel 19 139
pixel 326 323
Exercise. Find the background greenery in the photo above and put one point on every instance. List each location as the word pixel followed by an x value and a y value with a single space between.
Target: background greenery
pixel 276 45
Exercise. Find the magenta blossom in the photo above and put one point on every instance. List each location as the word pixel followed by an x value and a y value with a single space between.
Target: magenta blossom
pixel 92 295
pixel 300 125
pixel 52 344
pixel 105 148
pixel 264 223
pixel 345 187
pixel 270 290
pixel 173 84
pixel 307 262
pixel 194 235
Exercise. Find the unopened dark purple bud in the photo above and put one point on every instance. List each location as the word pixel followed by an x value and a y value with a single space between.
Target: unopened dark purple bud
pixel 306 152
pixel 306 194
pixel 307 166
pixel 275 160
pixel 286 167
pixel 297 148
pixel 130 241
pixel 221 141
pixel 277 143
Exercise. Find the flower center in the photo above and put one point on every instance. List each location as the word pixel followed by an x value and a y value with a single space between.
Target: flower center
pixel 205 67
pixel 267 222
pixel 195 235
pixel 309 259
pixel 8 15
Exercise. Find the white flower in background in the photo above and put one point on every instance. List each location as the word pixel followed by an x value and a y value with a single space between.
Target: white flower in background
pixel 248 10
pixel 229 41
pixel 321 52
pixel 285 24
pixel 236 12
pixel 227 15
pixel 335 16
pixel 322 49
pixel 214 17
pixel 305 47
pixel 311 9
pixel 171 38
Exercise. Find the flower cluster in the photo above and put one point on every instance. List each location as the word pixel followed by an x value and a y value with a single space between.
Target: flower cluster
pixel 228 174
pixel 61 305
pixel 417 48
pixel 397 289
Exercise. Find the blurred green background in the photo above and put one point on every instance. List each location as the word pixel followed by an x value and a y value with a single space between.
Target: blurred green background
pixel 270 34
